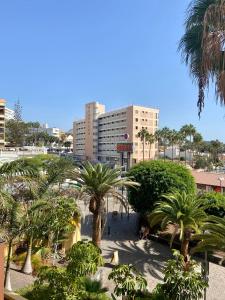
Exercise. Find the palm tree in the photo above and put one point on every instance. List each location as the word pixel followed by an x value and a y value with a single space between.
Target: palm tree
pixel 165 135
pixel 173 138
pixel 213 236
pixel 202 46
pixel 188 131
pixel 143 134
pixel 33 196
pixel 185 212
pixel 150 139
pixel 10 216
pixel 197 142
pixel 180 141
pixel 98 182
pixel 215 147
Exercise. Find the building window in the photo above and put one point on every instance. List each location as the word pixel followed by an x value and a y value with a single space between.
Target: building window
pixel 136 120
pixel 136 112
pixel 136 127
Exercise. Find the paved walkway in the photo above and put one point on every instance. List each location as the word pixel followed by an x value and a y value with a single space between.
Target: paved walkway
pixel 149 257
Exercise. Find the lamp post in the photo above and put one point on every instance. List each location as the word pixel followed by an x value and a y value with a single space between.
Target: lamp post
pixel 221 179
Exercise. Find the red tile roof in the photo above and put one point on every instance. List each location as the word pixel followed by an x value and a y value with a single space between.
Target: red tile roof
pixel 207 178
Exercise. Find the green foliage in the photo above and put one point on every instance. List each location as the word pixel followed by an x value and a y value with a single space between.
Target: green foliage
pixel 202 163
pixel 84 259
pixel 37 262
pixel 92 290
pixel 215 202
pixel 181 283
pixel 213 236
pixel 157 178
pixel 181 209
pixel 128 281
pixel 59 282
pixel 70 283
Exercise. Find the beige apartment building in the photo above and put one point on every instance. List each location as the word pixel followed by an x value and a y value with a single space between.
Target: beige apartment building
pixel 96 137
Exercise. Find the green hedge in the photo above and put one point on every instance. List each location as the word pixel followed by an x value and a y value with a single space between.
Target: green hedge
pixel 157 178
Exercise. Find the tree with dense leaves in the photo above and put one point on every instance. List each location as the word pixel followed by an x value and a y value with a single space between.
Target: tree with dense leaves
pixel 157 178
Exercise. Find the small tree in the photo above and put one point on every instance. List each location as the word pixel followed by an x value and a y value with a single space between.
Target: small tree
pixel 129 283
pixel 185 212
pixel 157 178
pixel 84 259
pixel 99 181
pixel 70 282
pixel 181 283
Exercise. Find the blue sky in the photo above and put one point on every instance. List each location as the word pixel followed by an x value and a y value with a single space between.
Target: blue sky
pixel 57 55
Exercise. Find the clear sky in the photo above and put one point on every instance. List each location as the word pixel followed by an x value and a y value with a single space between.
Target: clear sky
pixel 56 55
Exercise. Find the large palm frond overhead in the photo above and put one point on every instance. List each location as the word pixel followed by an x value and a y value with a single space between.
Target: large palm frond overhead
pixel 202 46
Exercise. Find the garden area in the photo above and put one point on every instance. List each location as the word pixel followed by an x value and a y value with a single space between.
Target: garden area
pixel 44 222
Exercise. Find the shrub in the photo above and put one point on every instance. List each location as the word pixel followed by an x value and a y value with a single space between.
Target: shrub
pixel 157 178
pixel 36 260
pixel 128 281
pixel 181 282
pixel 84 259
pixel 67 283
pixel 216 203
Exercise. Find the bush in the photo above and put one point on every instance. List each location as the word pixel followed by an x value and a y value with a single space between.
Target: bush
pixel 181 281
pixel 36 261
pixel 157 178
pixel 128 282
pixel 216 202
pixel 67 283
pixel 84 259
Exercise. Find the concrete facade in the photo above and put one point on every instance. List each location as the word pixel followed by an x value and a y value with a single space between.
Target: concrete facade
pixel 97 135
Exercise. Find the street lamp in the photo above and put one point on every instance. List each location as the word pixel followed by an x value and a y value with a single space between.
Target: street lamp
pixel 221 179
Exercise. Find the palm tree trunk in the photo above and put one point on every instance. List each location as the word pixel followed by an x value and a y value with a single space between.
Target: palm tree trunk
pixel 150 146
pixel 27 267
pixel 184 248
pixel 96 229
pixel 185 245
pixel 143 149
pixel 7 281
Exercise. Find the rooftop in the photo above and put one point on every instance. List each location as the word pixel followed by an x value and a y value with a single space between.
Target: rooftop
pixel 206 178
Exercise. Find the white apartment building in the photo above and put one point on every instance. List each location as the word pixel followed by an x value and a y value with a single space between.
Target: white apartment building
pixel 97 135
pixel 9 114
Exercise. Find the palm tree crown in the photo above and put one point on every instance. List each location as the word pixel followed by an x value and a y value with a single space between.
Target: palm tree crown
pixel 99 181
pixel 202 46
pixel 182 210
pixel 213 236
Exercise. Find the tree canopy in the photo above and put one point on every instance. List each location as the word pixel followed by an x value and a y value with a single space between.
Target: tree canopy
pixel 157 178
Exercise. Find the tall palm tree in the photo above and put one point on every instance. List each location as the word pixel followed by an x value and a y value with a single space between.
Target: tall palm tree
pixel 99 182
pixel 202 46
pixel 185 212
pixel 165 136
pixel 10 216
pixel 143 134
pixel 213 236
pixel 151 140
pixel 173 138
pixel 180 141
pixel 188 131
pixel 33 196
